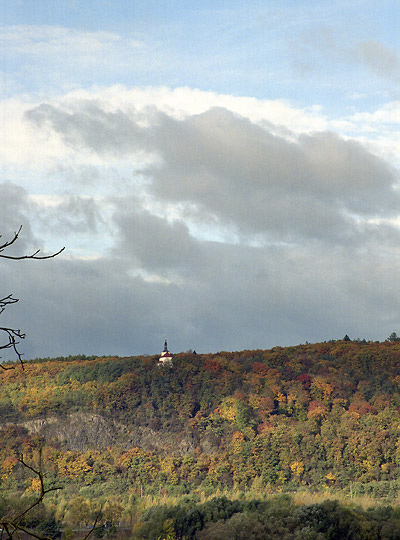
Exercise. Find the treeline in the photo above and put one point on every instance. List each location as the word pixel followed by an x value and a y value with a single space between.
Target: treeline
pixel 224 519
pixel 219 518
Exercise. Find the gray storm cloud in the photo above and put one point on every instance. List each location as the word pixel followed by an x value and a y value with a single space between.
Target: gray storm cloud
pixel 156 245
pixel 236 297
pixel 263 183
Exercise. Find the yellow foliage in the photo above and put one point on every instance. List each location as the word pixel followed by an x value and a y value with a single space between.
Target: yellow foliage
pixel 73 465
pixel 35 485
pixel 321 384
pixel 228 410
pixel 297 468
pixel 237 441
pixel 254 401
pixel 368 464
pixel 168 530
pixel 7 467
pixel 331 477
pixel 275 388
pixel 126 458
pixel 317 412
pixel 169 466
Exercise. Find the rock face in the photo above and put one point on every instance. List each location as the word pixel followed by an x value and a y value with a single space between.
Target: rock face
pixel 83 431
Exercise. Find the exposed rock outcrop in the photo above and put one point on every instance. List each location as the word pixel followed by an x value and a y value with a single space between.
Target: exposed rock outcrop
pixel 82 431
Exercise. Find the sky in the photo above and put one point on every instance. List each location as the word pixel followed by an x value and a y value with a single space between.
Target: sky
pixel 223 174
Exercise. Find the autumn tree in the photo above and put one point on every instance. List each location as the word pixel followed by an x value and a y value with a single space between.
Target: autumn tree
pixel 19 517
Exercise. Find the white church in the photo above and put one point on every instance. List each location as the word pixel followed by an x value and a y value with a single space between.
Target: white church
pixel 166 357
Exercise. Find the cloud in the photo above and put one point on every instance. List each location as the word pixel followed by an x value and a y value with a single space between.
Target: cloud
pixel 154 244
pixel 388 114
pixel 15 209
pixel 221 167
pixel 332 57
pixel 209 295
pixel 13 204
pixel 54 42
pixel 222 219
pixel 88 129
pixel 91 127
pixel 264 183
pixel 379 59
pixel 220 229
pixel 180 102
pixel 234 297
pixel 52 59
pixel 72 214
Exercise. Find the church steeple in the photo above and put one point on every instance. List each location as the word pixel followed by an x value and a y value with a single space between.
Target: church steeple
pixel 165 346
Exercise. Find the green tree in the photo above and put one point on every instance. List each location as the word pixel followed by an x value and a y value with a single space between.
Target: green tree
pixel 393 337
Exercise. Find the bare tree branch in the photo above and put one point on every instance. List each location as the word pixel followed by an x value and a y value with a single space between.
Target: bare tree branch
pixel 43 491
pixel 13 525
pixel 18 527
pixel 6 301
pixel 34 255
pixel 98 516
pixel 10 242
pixel 12 336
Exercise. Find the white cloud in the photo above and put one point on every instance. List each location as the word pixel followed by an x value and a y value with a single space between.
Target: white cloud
pixel 231 168
pixel 388 114
pixel 60 42
pixel 25 144
pixel 182 101
pixel 21 143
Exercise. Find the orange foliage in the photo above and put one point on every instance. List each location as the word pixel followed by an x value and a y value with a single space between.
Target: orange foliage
pixel 362 408
pixel 316 409
pixel 7 467
pixel 260 369
pixel 212 365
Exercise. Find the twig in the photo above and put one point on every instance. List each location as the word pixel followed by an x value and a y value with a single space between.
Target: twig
pixel 34 255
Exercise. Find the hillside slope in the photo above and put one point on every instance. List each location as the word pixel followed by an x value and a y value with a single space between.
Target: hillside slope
pixel 315 415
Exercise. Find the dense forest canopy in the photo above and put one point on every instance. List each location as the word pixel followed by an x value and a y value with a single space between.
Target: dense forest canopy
pixel 313 417
pixel 320 414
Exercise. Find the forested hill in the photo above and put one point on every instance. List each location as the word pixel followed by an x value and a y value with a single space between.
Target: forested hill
pixel 318 415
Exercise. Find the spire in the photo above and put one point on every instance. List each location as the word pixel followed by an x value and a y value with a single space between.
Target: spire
pixel 165 346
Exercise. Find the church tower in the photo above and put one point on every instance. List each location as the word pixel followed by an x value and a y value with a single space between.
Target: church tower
pixel 166 357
